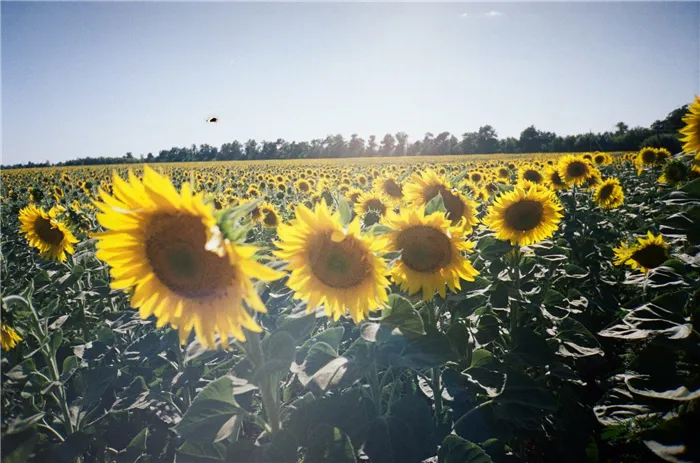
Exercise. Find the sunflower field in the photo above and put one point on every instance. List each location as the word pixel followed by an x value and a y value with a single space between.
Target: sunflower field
pixel 503 308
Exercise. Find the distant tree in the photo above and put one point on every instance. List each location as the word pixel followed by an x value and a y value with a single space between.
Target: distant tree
pixel 251 149
pixel 664 140
pixel 401 143
pixel 487 140
pixel 356 146
pixel 371 146
pixel 386 148
pixel 621 128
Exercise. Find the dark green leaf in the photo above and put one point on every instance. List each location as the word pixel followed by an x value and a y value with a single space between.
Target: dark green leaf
pixel 329 445
pixel 454 449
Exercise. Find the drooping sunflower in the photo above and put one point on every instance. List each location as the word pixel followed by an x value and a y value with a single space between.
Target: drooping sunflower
pixel 167 248
pixel 430 250
pixel 46 233
pixel 648 253
pixel 8 337
pixel 332 266
pixel 609 194
pixel 524 216
pixel 691 131
pixel 574 170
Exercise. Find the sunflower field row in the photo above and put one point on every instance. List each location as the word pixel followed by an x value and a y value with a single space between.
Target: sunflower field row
pixel 529 308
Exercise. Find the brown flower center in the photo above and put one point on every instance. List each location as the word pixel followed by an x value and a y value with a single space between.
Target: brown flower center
pixel 392 188
pixel 424 249
pixel 524 215
pixel 47 232
pixel 270 218
pixel 577 169
pixel 453 205
pixel 338 264
pixel 533 176
pixel 606 191
pixel 175 249
pixel 650 256
pixel 374 204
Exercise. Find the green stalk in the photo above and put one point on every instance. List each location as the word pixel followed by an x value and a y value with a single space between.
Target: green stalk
pixel 515 304
pixel 268 388
pixel 435 372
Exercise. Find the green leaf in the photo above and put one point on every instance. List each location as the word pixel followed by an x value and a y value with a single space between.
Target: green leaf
pixel 282 448
pixel 200 452
pixel 97 381
pixel 210 410
pixel 429 351
pixel 692 188
pixel 490 248
pixel 21 424
pixel 280 346
pixel 299 326
pixel 331 336
pixel 351 412
pixel 56 341
pixel 402 317
pixel 396 303
pixel 345 211
pixel 70 366
pixel 329 445
pixel 437 204
pixel 22 371
pixel 576 341
pixel 481 357
pixel 574 271
pixel 139 442
pixel 454 449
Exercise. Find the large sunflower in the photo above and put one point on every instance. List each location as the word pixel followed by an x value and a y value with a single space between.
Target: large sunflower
pixel 691 131
pixel 46 233
pixel 524 216
pixel 8 337
pixel 426 186
pixel 609 194
pixel 430 252
pixel 330 266
pixel 574 170
pixel 167 248
pixel 649 252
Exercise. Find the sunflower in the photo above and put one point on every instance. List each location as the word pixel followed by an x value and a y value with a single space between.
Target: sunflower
pixel 430 252
pixel 609 194
pixel 553 180
pixel 602 159
pixel 646 156
pixel 330 266
pixel 574 170
pixel 270 216
pixel 371 201
pixel 46 233
pixel 353 194
pixel 427 185
pixel 674 172
pixel 503 173
pixel 531 174
pixel 8 337
pixel 524 216
pixel 649 252
pixel 691 131
pixel 167 248
pixel 390 188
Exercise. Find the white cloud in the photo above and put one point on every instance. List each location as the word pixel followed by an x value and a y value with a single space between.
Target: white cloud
pixel 493 14
pixel 464 15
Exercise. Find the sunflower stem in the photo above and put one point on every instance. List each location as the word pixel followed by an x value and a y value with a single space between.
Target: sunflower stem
pixel 515 304
pixel 435 372
pixel 268 387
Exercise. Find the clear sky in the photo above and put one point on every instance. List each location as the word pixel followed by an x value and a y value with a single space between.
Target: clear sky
pixel 101 79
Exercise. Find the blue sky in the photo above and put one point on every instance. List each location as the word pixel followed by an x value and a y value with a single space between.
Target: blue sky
pixel 101 79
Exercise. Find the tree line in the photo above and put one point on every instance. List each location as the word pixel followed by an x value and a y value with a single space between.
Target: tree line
pixel 662 133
